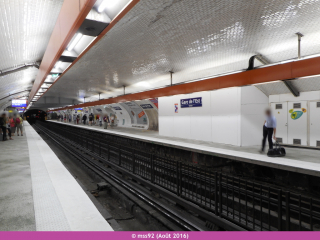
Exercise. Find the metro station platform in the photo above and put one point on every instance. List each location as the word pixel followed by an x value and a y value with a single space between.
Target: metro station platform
pixel 305 161
pixel 37 193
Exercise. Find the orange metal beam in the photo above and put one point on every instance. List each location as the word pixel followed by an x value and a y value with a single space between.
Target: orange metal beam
pixel 285 71
pixel 70 18
pixel 124 11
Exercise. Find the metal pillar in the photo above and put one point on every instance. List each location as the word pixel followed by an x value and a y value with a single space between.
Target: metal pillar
pixel 300 35
pixel 171 72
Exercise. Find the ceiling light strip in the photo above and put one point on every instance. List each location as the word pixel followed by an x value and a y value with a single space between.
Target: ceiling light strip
pixel 72 15
pixel 122 13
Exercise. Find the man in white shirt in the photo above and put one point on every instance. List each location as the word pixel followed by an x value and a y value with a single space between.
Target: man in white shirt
pixel 269 129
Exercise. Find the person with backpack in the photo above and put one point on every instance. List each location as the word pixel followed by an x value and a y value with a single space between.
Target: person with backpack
pixel 19 121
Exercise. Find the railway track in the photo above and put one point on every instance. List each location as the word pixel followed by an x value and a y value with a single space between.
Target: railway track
pixel 229 202
pixel 171 218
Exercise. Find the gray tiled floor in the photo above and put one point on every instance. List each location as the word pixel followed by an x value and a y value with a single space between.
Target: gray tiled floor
pixel 16 201
pixel 37 193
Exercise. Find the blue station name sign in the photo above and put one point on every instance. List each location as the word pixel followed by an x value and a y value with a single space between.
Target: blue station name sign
pixel 191 102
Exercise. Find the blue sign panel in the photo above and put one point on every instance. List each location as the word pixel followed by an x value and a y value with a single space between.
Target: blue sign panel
pixel 19 103
pixel 146 106
pixel 191 102
pixel 78 109
pixel 117 108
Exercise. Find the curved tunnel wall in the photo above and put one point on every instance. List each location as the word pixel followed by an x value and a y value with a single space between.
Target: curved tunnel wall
pixel 136 114
pixel 151 110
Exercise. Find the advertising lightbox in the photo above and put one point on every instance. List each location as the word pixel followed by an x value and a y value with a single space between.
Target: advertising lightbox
pixel 19 103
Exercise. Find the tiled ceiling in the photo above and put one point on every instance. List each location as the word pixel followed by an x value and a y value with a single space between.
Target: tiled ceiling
pixel 195 39
pixel 17 81
pixel 25 30
pixel 6 102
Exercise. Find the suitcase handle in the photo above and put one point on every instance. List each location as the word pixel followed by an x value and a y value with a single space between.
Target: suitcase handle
pixel 276 144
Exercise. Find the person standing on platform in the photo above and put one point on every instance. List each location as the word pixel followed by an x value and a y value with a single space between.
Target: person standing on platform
pixel 100 120
pixel 269 129
pixel 90 119
pixel 19 121
pixel 84 119
pixel 12 125
pixel 9 129
pixel 3 124
pixel 105 122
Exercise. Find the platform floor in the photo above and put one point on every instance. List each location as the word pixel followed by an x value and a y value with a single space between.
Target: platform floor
pixel 37 193
pixel 306 161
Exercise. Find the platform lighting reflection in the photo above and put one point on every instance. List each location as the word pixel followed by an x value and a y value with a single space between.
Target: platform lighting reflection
pixel 143 84
pixel 59 64
pixel 106 3
pixel 75 41
pixel 266 83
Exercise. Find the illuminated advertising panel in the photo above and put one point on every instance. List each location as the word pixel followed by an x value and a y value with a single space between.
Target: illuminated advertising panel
pixel 19 103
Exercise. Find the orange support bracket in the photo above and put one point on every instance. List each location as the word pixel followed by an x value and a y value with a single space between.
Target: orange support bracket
pixel 291 70
pixel 70 18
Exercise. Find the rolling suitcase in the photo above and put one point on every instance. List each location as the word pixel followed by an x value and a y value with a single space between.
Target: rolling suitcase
pixel 277 151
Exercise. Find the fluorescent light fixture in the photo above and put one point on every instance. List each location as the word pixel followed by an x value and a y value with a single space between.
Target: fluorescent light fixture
pixel 74 42
pixel 105 3
pixel 143 84
pixel 287 61
pixel 102 6
pixel 59 64
pixel 312 56
pixel 266 83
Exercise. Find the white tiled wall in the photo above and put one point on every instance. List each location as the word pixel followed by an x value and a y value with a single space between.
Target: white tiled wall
pixel 253 104
pixel 218 120
pixel 229 116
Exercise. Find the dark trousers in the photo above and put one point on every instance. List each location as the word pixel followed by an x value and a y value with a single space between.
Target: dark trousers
pixel 4 133
pixel 267 132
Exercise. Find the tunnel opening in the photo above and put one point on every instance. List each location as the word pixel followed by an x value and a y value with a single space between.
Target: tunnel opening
pixel 35 114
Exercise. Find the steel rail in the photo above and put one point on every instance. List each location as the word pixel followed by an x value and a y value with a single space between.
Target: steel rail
pixel 256 197
pixel 102 172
